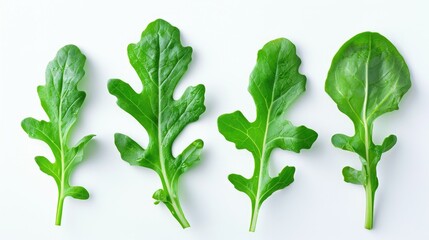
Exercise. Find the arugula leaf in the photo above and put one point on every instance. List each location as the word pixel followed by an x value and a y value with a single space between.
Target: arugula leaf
pixel 62 102
pixel 275 84
pixel 160 61
pixel 368 77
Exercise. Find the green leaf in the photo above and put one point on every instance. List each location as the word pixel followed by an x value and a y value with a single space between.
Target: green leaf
pixel 160 61
pixel 161 196
pixel 344 142
pixel 62 102
pixel 49 168
pixel 242 184
pixel 368 78
pixel 284 179
pixel 187 159
pixel 352 175
pixel 275 84
pixel 388 143
pixel 77 192
pixel 131 151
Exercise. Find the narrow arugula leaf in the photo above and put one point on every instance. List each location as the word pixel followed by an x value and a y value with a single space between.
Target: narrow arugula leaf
pixel 160 61
pixel 275 84
pixel 62 102
pixel 368 78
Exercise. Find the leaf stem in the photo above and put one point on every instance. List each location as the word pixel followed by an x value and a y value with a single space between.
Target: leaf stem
pixel 369 215
pixel 174 203
pixel 178 212
pixel 59 210
pixel 254 219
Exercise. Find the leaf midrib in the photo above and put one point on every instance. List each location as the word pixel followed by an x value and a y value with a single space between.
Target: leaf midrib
pixel 365 106
pixel 160 139
pixel 267 123
pixel 60 133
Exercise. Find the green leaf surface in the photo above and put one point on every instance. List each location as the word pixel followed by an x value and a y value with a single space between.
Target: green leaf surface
pixel 368 78
pixel 354 176
pixel 160 61
pixel 388 143
pixel 62 102
pixel 275 84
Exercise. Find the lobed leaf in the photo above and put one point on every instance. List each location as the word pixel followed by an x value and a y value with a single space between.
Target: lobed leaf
pixel 275 84
pixel 62 102
pixel 160 61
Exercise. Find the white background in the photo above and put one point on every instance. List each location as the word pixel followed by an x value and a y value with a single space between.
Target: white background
pixel 225 36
